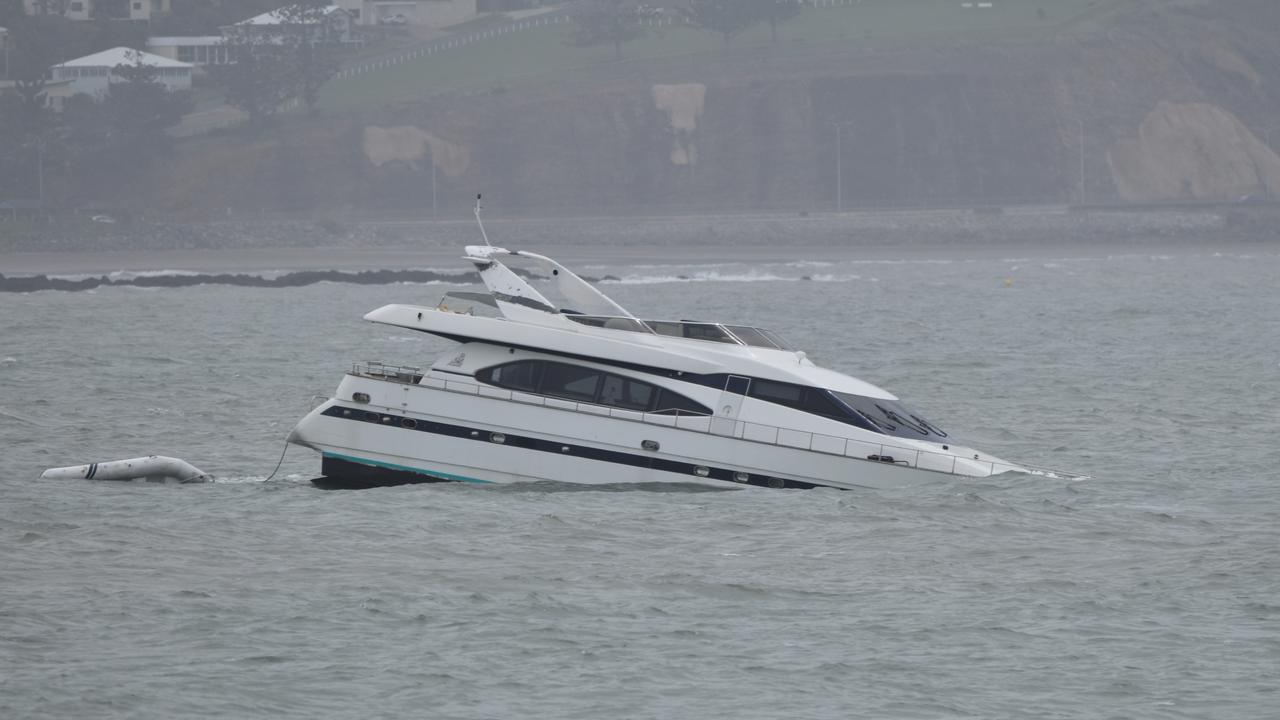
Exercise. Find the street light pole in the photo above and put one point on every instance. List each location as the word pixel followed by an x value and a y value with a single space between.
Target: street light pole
pixel 1081 122
pixel 839 169
pixel 40 171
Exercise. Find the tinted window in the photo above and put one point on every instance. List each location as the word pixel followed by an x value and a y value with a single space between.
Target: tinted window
pixel 808 399
pixel 516 376
pixel 586 385
pixel 781 393
pixel 570 381
pixel 891 417
pixel 671 403
pixel 620 392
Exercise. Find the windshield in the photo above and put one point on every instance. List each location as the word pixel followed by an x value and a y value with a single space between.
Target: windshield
pixel 891 417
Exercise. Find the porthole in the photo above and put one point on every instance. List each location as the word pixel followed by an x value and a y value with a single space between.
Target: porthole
pixel 498 438
pixel 409 423
pixel 701 471
pixel 372 417
pixel 360 397
pixel 741 477
pixel 777 483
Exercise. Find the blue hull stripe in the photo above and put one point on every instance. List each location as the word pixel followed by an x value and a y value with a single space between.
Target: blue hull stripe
pixel 405 468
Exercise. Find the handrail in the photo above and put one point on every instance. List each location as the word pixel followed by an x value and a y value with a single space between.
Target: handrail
pixel 864 450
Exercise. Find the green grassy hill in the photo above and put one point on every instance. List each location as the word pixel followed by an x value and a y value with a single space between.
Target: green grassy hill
pixel 541 54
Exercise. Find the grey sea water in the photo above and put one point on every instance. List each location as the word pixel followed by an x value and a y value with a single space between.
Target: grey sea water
pixel 1151 590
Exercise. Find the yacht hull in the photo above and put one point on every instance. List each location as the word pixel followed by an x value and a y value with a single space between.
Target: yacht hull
pixel 435 435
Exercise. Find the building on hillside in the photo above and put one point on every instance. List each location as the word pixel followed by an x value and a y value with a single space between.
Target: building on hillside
pixel 502 6
pixel 91 9
pixel 429 13
pixel 197 50
pixel 331 24
pixel 56 92
pixel 93 74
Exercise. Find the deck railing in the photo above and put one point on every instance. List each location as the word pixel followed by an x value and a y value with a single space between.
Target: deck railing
pixel 867 451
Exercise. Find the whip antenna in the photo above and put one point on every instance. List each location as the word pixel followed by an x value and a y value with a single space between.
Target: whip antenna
pixel 480 222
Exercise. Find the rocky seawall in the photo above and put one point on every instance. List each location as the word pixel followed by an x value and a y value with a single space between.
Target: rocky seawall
pixel 993 225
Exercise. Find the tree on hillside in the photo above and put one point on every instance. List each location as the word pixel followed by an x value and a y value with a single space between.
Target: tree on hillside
pixel 278 63
pixel 775 12
pixel 259 80
pixel 10 11
pixel 600 22
pixel 315 58
pixel 110 142
pixel 727 17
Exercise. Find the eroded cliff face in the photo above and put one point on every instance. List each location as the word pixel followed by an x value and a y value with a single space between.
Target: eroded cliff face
pixel 1192 151
pixel 904 140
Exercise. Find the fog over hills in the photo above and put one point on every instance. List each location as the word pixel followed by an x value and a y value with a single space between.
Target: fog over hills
pixel 1125 102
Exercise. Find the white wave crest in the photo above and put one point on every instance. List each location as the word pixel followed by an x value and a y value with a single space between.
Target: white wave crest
pixel 701 276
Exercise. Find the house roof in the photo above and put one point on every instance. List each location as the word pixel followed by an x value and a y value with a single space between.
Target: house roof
pixel 123 56
pixel 185 40
pixel 280 17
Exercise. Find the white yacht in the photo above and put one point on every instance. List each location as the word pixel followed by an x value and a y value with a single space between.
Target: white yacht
pixel 583 391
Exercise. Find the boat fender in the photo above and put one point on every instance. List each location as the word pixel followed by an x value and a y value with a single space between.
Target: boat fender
pixel 152 467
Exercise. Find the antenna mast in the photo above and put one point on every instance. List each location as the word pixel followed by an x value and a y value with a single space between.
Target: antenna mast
pixel 480 222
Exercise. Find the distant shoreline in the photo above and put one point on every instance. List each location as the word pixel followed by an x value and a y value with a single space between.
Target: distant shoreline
pixel 296 245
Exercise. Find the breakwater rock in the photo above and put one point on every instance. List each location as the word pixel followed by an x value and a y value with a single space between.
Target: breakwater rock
pixel 34 283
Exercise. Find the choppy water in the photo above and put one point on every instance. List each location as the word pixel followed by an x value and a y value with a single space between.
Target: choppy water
pixel 1152 590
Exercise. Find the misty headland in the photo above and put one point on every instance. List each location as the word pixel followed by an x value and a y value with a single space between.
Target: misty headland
pixel 858 124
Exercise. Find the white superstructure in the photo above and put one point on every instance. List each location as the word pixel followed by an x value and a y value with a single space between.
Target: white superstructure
pixel 580 390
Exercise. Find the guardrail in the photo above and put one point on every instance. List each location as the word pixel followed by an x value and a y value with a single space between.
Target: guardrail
pixel 450 43
pixel 866 451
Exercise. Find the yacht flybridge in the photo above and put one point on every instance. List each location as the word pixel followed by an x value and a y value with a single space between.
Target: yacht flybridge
pixel 580 390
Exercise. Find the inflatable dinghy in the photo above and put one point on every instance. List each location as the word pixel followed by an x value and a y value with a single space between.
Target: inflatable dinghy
pixel 156 468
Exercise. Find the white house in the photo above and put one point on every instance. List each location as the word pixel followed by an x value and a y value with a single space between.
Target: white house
pixel 197 50
pixel 84 9
pixel 330 24
pixel 93 74
pixel 430 13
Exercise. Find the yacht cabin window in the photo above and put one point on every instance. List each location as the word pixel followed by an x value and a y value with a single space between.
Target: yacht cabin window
pixel 892 417
pixel 887 417
pixel 581 384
